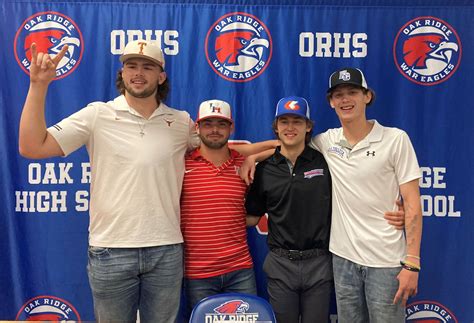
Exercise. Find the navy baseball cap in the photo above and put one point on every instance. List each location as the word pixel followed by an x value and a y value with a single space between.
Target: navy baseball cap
pixel 347 75
pixel 294 105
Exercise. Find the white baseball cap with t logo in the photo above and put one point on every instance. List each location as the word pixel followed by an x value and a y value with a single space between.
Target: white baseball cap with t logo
pixel 143 49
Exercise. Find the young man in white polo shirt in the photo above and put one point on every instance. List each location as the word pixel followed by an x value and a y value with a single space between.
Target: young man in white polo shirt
pixel 136 146
pixel 375 266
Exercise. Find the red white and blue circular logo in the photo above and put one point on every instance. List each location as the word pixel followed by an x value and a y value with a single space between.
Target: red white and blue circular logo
pixel 428 311
pixel 50 31
pixel 238 47
pixel 427 50
pixel 48 308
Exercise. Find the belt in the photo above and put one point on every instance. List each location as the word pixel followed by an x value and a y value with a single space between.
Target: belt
pixel 300 254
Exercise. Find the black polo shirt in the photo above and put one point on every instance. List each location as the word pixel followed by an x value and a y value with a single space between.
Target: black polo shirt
pixel 298 203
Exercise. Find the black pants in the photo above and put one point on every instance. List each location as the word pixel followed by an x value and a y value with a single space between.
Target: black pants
pixel 299 288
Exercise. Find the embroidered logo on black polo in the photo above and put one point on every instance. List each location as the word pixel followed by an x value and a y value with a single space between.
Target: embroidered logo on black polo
pixel 314 172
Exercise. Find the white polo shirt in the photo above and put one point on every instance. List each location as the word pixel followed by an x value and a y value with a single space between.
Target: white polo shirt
pixel 135 180
pixel 366 182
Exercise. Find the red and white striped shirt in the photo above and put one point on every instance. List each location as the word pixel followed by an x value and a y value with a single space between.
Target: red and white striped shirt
pixel 213 217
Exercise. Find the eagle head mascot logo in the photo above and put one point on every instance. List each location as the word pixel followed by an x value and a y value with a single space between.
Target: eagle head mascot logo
pixel 238 47
pixel 50 36
pixel 232 307
pixel 428 51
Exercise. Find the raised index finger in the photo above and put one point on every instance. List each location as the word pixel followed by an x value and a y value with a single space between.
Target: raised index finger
pixel 34 53
pixel 60 55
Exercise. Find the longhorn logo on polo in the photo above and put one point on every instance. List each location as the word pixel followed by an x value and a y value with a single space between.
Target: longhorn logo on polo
pixel 48 308
pixel 427 50
pixel 50 31
pixel 238 47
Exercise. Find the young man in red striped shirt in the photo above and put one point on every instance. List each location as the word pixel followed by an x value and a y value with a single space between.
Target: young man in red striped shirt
pixel 217 257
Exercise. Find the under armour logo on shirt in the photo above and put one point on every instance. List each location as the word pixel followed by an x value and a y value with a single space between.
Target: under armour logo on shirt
pixel 371 153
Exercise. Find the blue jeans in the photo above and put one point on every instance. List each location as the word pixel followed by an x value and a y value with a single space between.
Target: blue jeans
pixel 124 280
pixel 237 281
pixel 365 294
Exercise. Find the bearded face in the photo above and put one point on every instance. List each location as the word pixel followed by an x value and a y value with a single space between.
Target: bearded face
pixel 141 77
pixel 214 132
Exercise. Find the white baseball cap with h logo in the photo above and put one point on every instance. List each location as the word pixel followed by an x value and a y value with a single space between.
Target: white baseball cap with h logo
pixel 214 109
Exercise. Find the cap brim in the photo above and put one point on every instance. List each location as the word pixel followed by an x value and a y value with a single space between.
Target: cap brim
pixel 346 83
pixel 292 114
pixel 124 58
pixel 215 117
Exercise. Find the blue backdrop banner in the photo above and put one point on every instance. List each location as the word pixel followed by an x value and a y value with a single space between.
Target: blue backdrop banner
pixel 417 56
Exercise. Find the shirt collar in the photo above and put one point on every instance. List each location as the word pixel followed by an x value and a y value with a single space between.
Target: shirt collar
pixel 278 157
pixel 196 154
pixel 121 104
pixel 376 134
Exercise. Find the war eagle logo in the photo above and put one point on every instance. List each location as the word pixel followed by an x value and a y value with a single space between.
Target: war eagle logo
pixel 50 31
pixel 238 47
pixel 232 307
pixel 428 312
pixel 240 50
pixel 48 308
pixel 427 50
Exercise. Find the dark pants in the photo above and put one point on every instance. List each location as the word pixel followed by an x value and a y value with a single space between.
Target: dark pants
pixel 299 287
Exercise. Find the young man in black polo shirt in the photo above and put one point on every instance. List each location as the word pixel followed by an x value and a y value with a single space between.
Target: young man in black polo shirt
pixel 294 187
